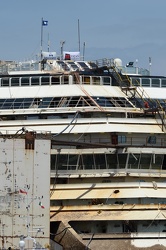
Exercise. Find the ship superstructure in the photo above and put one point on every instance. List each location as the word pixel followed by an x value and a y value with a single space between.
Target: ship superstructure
pixel 106 125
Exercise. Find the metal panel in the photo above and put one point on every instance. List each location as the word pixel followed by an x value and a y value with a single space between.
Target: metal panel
pixel 109 215
pixel 136 150
pixel 104 193
pixel 23 190
pixel 84 128
pixel 71 90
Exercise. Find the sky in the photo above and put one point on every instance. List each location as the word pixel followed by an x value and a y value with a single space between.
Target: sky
pixel 127 29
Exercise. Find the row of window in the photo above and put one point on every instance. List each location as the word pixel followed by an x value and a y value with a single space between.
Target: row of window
pixel 75 101
pixel 61 79
pixel 126 226
pixel 53 80
pixel 55 102
pixel 149 82
pixel 107 161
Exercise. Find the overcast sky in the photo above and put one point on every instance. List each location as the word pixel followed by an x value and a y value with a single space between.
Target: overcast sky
pixel 127 29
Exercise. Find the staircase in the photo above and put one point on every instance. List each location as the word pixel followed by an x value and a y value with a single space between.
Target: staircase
pixel 138 94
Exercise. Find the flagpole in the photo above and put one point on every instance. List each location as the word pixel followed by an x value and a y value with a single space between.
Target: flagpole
pixel 41 42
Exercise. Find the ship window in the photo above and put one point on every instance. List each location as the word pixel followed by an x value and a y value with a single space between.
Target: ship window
pixel 73 65
pixel 111 161
pixel 61 162
pixel 2 102
pixel 15 81
pixel 116 225
pixel 85 79
pixel 121 139
pixel 155 82
pixel 145 161
pixel 163 83
pixel 152 139
pixel 17 103
pixel 157 161
pixel 136 81
pixel 106 80
pixel 25 81
pixel 8 104
pixel 88 161
pixel 95 80
pixel 53 161
pixel 35 80
pixel 5 82
pixel 65 79
pixel 103 101
pixel 72 162
pixel 73 101
pixel 44 103
pixel 120 102
pixel 26 103
pixel 55 80
pixel 83 66
pixel 57 102
pixel 45 80
pixel 163 103
pixel 100 161
pixel 36 103
pixel 133 161
pixel 122 160
pixel 145 82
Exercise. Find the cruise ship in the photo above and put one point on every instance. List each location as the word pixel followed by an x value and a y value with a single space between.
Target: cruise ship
pixel 99 128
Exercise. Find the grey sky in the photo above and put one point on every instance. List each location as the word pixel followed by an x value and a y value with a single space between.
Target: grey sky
pixel 127 29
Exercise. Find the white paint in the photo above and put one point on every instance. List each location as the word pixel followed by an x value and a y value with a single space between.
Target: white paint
pixel 143 243
pixel 26 170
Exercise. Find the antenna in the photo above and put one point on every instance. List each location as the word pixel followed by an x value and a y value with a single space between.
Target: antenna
pixel 78 35
pixel 150 64
pixel 84 50
pixel 48 43
pixel 62 43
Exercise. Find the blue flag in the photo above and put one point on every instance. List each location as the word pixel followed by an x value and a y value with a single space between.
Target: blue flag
pixel 44 23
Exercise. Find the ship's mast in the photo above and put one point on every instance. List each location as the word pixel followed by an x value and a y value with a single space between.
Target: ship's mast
pixel 41 41
pixel 78 35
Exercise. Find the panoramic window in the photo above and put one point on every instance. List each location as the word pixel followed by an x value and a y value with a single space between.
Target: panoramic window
pixel 136 81
pixel 155 82
pixel 15 81
pixel 25 81
pixel 45 80
pixel 106 80
pixel 8 104
pixel 145 161
pixel 145 82
pixel 163 83
pixel 55 80
pixel 35 80
pixel 5 82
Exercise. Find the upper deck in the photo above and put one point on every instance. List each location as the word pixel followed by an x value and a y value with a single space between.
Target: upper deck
pixel 57 72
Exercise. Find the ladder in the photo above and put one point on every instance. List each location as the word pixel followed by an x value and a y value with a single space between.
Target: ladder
pixel 138 93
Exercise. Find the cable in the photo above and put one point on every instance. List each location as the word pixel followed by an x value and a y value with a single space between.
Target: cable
pixel 60 231
pixel 86 248
pixel 67 125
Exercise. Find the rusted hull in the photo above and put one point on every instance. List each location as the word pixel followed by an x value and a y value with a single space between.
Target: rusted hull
pixel 67 237
pixel 80 230
pixel 24 201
